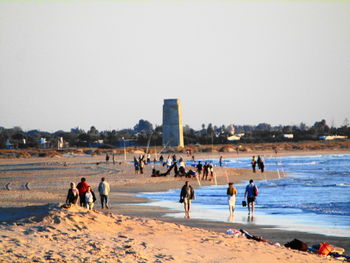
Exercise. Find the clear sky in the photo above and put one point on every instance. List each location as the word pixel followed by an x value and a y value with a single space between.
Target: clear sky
pixel 110 63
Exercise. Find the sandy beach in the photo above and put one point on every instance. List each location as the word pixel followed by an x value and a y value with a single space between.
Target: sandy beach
pixel 33 225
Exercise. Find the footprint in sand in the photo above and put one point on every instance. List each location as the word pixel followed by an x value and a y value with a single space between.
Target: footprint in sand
pixel 144 244
pixel 165 257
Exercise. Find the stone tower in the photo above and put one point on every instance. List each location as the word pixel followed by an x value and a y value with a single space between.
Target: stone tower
pixel 172 123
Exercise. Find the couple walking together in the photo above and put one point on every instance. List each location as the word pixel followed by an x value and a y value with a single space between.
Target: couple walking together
pixel 251 191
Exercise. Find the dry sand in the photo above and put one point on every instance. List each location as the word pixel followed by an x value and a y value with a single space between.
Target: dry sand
pixel 77 235
pixel 131 233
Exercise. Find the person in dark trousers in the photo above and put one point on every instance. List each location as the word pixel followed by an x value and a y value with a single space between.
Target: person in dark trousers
pixel 82 188
pixel 253 164
pixel 176 170
pixel 186 196
pixel 136 165
pixel 73 195
pixel 250 194
pixel 220 161
pixel 142 165
pixel 199 169
pixel 107 158
pixel 104 189
pixel 261 164
pixel 205 171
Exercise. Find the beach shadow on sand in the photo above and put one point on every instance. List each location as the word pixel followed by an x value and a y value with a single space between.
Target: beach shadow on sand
pixel 35 213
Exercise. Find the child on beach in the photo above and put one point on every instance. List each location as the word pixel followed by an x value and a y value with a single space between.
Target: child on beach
pixel 231 196
pixel 90 198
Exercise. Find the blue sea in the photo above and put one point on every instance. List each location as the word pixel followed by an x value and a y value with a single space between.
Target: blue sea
pixel 313 196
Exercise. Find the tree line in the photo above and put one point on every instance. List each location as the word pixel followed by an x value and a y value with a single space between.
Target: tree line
pixel 143 133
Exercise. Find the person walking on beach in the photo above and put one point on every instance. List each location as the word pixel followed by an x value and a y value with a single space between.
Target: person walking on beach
pixel 220 161
pixel 205 171
pixel 186 195
pixel 73 195
pixel 136 166
pixel 251 191
pixel 82 188
pixel 211 170
pixel 142 165
pixel 199 169
pixel 113 158
pixel 253 164
pixel 104 189
pixel 231 197
pixel 107 158
pixel 90 198
pixel 261 164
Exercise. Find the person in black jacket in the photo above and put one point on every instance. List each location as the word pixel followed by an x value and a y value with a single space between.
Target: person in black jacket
pixel 73 195
pixel 186 195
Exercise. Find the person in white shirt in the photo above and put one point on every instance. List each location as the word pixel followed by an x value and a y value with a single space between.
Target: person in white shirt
pixel 90 198
pixel 104 189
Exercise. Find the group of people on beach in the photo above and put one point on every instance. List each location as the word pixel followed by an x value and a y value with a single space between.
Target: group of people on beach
pixel 259 162
pixel 206 169
pixel 141 161
pixel 251 191
pixel 86 196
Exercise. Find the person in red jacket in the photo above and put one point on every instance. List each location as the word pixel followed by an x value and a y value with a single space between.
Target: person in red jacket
pixel 82 188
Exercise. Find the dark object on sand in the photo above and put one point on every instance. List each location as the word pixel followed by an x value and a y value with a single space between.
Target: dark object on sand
pixel 156 173
pixel 297 245
pixel 244 203
pixel 250 236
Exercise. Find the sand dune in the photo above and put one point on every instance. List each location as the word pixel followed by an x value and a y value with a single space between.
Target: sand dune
pixel 54 234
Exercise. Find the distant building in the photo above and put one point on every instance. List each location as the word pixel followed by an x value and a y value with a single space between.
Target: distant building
pixel 235 137
pixel 333 137
pixel 288 136
pixel 8 144
pixel 172 123
pixel 43 143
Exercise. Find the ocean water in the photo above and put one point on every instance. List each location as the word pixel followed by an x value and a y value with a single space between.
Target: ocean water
pixel 314 196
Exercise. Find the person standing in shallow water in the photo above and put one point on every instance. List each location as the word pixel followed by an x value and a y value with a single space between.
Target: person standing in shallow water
pixel 253 164
pixel 250 194
pixel 231 196
pixel 186 195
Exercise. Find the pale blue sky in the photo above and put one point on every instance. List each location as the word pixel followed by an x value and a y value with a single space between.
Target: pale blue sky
pixel 111 63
